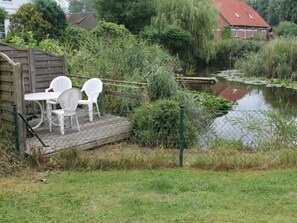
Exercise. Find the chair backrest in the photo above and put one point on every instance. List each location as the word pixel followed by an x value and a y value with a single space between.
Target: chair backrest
pixel 68 100
pixel 92 87
pixel 60 84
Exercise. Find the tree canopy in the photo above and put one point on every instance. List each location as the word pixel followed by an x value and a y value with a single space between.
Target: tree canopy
pixel 45 18
pixel 3 14
pixel 275 11
pixel 26 19
pixel 53 14
pixel 133 14
pixel 198 17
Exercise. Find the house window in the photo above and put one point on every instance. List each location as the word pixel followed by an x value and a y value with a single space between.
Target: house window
pixel 6 0
pixel 237 15
pixel 251 16
pixel 253 32
pixel 236 33
pixel 264 33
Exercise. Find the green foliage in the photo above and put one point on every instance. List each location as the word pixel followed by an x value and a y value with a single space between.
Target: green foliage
pixel 74 37
pixel 214 105
pixel 26 19
pixel 3 14
pixel 157 124
pixel 230 50
pixel 109 31
pixel 198 17
pixel 286 29
pixel 275 11
pixel 123 57
pixel 26 41
pixel 227 33
pixel 172 37
pixel 277 59
pixel 134 15
pixel 54 15
pixel 288 10
pixel 48 45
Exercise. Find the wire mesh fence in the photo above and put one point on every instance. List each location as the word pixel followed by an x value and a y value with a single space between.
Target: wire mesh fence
pixel 238 139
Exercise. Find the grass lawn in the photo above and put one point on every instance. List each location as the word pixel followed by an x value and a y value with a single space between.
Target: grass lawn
pixel 167 195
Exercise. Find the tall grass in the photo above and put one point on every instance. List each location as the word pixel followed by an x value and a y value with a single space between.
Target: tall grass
pixel 10 162
pixel 277 59
pixel 230 50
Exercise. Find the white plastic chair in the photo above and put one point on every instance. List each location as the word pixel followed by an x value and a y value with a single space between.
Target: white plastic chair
pixel 92 88
pixel 60 84
pixel 68 101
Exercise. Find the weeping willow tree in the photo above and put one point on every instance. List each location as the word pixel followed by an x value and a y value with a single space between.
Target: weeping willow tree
pixel 199 17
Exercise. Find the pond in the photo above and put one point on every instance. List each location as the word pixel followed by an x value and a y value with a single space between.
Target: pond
pixel 250 101
pixel 252 97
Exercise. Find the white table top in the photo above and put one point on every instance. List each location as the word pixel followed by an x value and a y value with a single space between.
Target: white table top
pixel 42 96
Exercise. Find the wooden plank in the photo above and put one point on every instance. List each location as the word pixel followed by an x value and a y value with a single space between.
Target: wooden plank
pixel 7 87
pixel 48 64
pixel 32 72
pixel 197 80
pixel 19 101
pixel 105 129
pixel 44 71
pixel 123 94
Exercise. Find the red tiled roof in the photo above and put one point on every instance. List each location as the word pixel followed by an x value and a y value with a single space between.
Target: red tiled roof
pixel 238 13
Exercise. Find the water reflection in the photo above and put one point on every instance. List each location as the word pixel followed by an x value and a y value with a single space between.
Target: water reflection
pixel 253 97
pixel 251 103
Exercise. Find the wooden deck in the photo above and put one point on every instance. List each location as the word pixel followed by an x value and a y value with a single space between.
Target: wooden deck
pixel 100 131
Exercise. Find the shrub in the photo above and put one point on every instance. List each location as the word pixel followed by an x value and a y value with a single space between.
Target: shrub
pixel 110 30
pixel 28 41
pixel 74 37
pixel 173 38
pixel 286 28
pixel 157 124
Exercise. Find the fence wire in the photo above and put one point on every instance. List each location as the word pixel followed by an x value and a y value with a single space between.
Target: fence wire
pixel 238 139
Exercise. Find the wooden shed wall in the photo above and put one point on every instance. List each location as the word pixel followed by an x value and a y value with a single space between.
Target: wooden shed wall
pixel 38 67
pixel 35 72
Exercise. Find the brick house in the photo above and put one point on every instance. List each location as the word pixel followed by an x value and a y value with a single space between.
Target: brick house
pixel 242 19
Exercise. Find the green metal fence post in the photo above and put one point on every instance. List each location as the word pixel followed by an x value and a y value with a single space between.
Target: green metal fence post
pixel 181 136
pixel 16 127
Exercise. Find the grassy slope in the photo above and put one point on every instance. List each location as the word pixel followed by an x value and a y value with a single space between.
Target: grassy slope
pixel 170 195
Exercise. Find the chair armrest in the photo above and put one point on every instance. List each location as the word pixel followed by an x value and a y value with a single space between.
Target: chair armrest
pixel 48 89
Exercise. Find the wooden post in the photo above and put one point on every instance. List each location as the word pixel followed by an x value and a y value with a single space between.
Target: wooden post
pixel 145 97
pixel 65 71
pixel 19 100
pixel 32 71
pixel 102 100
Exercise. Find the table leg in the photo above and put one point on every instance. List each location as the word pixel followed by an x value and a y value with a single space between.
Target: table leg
pixel 41 115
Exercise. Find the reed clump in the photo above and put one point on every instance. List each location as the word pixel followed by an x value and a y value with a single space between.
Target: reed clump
pixel 276 60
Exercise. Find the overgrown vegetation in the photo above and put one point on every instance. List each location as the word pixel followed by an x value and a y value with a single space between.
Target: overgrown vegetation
pixel 229 51
pixel 10 162
pixel 199 18
pixel 277 59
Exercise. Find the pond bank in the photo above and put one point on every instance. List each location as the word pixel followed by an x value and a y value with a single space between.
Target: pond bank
pixel 237 76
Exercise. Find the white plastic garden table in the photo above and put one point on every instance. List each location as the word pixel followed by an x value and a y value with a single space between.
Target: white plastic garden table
pixel 40 98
